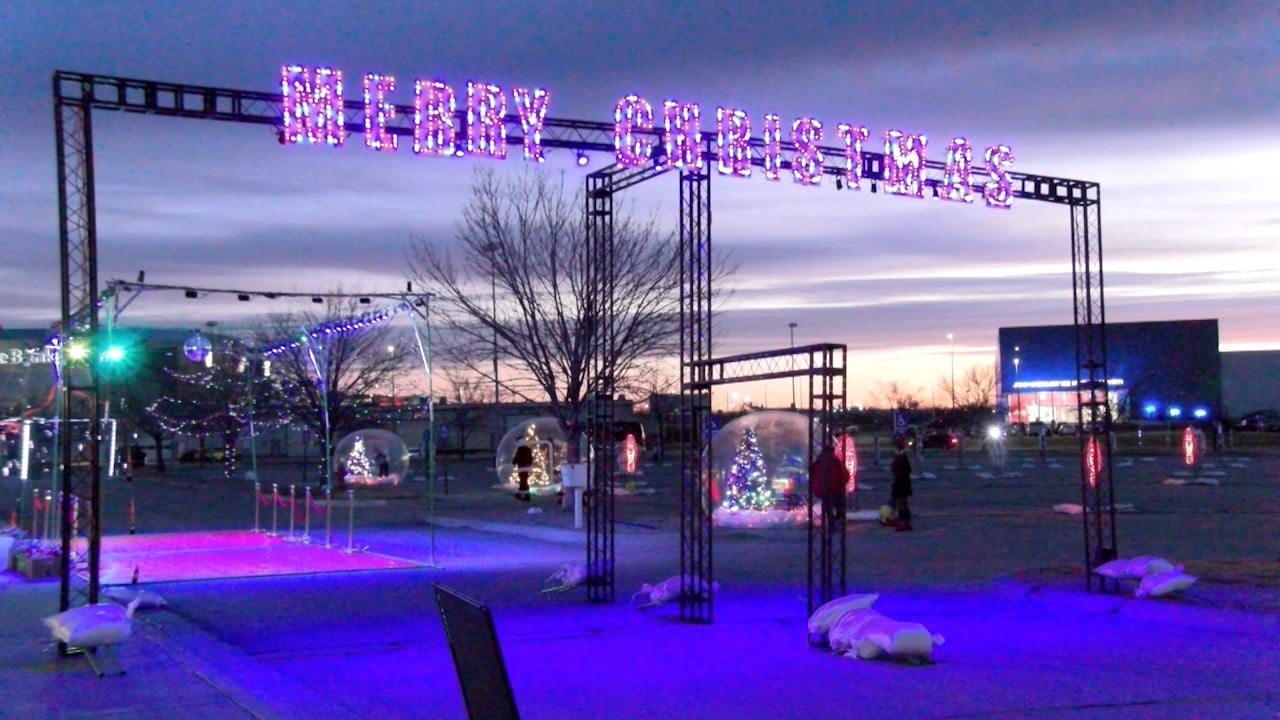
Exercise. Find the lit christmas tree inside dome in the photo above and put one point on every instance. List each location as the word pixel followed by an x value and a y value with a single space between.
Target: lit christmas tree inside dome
pixel 760 470
pixel 370 457
pixel 550 451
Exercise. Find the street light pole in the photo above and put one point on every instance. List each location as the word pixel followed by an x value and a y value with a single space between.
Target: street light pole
pixel 952 339
pixel 792 327
pixel 395 414
pixel 1017 377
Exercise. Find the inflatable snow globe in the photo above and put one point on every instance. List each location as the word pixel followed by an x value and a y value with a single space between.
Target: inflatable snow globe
pixel 370 457
pixel 760 473
pixel 546 452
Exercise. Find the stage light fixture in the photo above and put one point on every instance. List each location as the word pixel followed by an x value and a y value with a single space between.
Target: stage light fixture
pixel 582 159
pixel 935 190
pixel 192 294
pixel 317 300
pixel 364 301
pixel 839 184
pixel 242 297
pixel 873 186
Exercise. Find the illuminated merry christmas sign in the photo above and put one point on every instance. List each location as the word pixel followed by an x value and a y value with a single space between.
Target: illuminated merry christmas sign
pixel 314 112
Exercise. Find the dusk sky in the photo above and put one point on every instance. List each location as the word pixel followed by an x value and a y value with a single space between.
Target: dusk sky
pixel 1172 106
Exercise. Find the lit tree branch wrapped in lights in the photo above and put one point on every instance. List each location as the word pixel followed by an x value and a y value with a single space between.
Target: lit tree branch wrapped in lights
pixel 221 398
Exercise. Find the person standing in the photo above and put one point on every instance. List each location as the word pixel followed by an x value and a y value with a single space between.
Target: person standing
pixel 523 464
pixel 900 469
pixel 830 480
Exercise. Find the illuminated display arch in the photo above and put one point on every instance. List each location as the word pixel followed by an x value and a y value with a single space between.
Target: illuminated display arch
pixel 311 108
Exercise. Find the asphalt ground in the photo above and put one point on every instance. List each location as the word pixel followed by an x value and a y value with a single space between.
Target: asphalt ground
pixel 990 565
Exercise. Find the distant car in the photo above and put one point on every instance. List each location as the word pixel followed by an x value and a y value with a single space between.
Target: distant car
pixel 940 440
pixel 1066 429
pixel 210 455
pixel 1260 421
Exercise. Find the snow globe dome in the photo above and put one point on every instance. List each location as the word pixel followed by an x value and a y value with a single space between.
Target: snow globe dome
pixel 370 457
pixel 550 451
pixel 760 470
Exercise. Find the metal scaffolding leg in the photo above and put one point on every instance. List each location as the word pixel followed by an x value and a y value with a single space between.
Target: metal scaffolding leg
pixel 1093 398
pixel 696 570
pixel 600 517
pixel 827 574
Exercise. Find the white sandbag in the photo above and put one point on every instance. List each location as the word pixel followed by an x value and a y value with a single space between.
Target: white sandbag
pixel 866 634
pixel 569 576
pixel 1134 568
pixel 147 600
pixel 1163 583
pixel 845 632
pixel 90 626
pixel 825 616
pixel 896 639
pixel 668 590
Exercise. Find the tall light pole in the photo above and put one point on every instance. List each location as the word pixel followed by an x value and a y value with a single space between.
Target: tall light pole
pixel 792 327
pixel 395 415
pixel 1017 377
pixel 952 339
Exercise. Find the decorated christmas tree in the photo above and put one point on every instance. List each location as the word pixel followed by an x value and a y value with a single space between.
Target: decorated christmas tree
pixel 359 463
pixel 538 476
pixel 746 484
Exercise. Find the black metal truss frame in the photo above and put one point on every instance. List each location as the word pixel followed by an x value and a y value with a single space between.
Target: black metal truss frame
pixel 76 95
pixel 826 366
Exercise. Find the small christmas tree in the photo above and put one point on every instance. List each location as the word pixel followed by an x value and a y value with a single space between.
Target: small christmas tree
pixel 358 462
pixel 538 475
pixel 746 484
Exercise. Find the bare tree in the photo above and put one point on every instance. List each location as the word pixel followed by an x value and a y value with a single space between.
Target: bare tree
pixel 975 388
pixel 894 396
pixel 335 371
pixel 523 240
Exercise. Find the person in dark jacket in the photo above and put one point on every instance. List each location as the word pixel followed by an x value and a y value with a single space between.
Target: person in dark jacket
pixel 523 464
pixel 900 468
pixel 830 482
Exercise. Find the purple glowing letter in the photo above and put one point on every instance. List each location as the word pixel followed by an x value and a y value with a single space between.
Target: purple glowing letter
pixel 683 138
pixel 955 182
pixel 733 138
pixel 772 147
pixel 312 106
pixel 377 111
pixel 632 113
pixel 904 163
pixel 806 164
pixel 486 120
pixel 853 137
pixel 532 107
pixel 434 127
pixel 998 192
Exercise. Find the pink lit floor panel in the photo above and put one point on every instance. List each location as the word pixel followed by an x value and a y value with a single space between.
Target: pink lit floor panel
pixel 236 554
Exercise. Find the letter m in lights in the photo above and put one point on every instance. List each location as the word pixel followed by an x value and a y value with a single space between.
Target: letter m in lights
pixel 312 106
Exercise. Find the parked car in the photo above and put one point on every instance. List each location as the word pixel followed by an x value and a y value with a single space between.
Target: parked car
pixel 1260 421
pixel 940 440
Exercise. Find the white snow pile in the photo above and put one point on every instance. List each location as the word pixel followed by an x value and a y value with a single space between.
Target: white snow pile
pixel 91 626
pixel 667 590
pixel 1197 480
pixel 866 634
pixel 1076 508
pixel 1156 575
pixel 871 515
pixel 723 517
pixel 568 577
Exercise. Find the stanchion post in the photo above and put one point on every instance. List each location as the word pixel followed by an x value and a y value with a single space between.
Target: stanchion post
pixel 328 515
pixel 351 520
pixel 257 506
pixel 293 511
pixel 306 516
pixel 275 503
pixel 35 513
